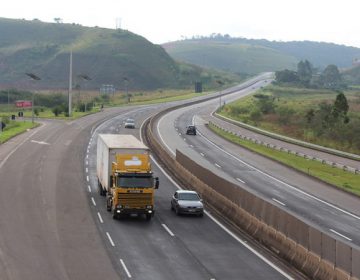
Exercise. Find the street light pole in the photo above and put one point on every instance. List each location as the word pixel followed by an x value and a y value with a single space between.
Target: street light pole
pixel 70 84
pixel 34 78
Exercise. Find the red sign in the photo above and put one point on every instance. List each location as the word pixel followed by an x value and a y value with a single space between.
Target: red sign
pixel 23 104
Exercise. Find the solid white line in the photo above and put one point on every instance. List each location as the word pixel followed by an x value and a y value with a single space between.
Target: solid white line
pixel 111 241
pixel 241 181
pixel 279 181
pixel 343 236
pixel 217 165
pixel 93 201
pixel 89 188
pixel 162 140
pixel 18 146
pixel 87 178
pixel 125 268
pixel 227 230
pixel 278 201
pixel 100 218
pixel 168 230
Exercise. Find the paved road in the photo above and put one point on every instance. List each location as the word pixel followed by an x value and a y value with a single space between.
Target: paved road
pixel 330 210
pixel 54 225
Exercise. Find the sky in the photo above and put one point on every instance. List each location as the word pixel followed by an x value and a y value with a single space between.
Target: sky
pixel 162 21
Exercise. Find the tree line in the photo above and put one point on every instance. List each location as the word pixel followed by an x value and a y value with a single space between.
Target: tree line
pixel 309 77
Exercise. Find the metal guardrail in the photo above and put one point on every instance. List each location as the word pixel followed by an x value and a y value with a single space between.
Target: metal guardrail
pixel 290 140
pixel 280 148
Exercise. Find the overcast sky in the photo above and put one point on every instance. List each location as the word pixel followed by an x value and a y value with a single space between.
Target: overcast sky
pixel 162 21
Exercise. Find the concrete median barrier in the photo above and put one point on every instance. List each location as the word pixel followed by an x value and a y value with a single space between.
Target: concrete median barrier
pixel 317 254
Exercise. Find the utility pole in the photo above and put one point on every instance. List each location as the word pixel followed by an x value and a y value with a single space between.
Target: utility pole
pixel 70 84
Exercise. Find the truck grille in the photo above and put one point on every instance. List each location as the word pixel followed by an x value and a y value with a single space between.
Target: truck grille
pixel 135 200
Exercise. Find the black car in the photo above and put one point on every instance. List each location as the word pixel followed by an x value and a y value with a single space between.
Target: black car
pixel 187 202
pixel 191 129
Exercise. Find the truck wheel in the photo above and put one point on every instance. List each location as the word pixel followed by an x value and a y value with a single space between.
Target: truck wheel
pixel 101 190
pixel 148 217
pixel 108 205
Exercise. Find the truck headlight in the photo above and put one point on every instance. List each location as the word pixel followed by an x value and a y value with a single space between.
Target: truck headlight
pixel 148 206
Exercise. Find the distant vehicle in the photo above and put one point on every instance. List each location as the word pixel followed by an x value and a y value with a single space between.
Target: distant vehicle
pixel 187 202
pixel 129 123
pixel 191 129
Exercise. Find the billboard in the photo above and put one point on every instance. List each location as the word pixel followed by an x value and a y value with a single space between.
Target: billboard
pixel 23 104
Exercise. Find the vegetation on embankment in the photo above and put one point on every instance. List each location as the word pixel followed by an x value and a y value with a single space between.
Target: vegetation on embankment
pixel 14 128
pixel 344 180
pixel 319 116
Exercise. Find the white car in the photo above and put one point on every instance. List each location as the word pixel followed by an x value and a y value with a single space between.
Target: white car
pixel 129 123
pixel 187 202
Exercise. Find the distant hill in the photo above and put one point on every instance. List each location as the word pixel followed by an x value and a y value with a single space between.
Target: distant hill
pixel 254 56
pixel 107 56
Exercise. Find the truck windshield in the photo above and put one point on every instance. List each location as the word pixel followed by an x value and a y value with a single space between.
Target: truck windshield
pixel 135 182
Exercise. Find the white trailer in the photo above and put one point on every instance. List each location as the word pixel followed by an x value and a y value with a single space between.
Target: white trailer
pixel 108 145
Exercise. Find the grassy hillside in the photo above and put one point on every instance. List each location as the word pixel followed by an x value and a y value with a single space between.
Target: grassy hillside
pixel 253 56
pixel 105 55
pixel 352 75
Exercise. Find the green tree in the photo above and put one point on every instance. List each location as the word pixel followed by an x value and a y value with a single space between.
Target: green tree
pixel 330 77
pixel 341 107
pixel 286 76
pixel 304 72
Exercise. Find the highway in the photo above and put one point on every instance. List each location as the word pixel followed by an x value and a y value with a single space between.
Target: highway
pixel 54 224
pixel 334 212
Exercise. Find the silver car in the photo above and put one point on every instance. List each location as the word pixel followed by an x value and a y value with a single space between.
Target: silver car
pixel 129 123
pixel 187 202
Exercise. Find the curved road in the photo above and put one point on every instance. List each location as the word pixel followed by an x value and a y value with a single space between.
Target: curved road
pixel 54 224
pixel 334 212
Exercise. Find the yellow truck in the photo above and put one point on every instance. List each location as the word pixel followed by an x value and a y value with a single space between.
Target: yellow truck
pixel 125 176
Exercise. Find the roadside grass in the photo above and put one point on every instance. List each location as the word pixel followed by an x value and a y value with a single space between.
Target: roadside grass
pixel 342 179
pixel 15 128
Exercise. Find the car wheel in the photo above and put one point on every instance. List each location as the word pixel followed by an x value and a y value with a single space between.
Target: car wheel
pixel 177 211
pixel 171 207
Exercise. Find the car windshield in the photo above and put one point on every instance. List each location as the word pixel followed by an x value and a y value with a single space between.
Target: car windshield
pixel 135 182
pixel 188 196
pixel 130 121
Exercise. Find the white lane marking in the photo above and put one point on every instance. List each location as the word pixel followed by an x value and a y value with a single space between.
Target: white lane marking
pixel 100 218
pixel 87 163
pixel 191 146
pixel 93 201
pixel 278 201
pixel 279 181
pixel 241 181
pixel 86 170
pixel 244 243
pixel 89 188
pixel 17 147
pixel 87 178
pixel 184 139
pixel 202 154
pixel 162 140
pixel 87 156
pixel 125 268
pixel 40 142
pixel 110 239
pixel 87 150
pixel 168 230
pixel 217 165
pixel 343 236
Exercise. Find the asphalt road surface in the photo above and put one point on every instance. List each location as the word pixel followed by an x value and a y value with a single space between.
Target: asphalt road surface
pixel 334 212
pixel 54 225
